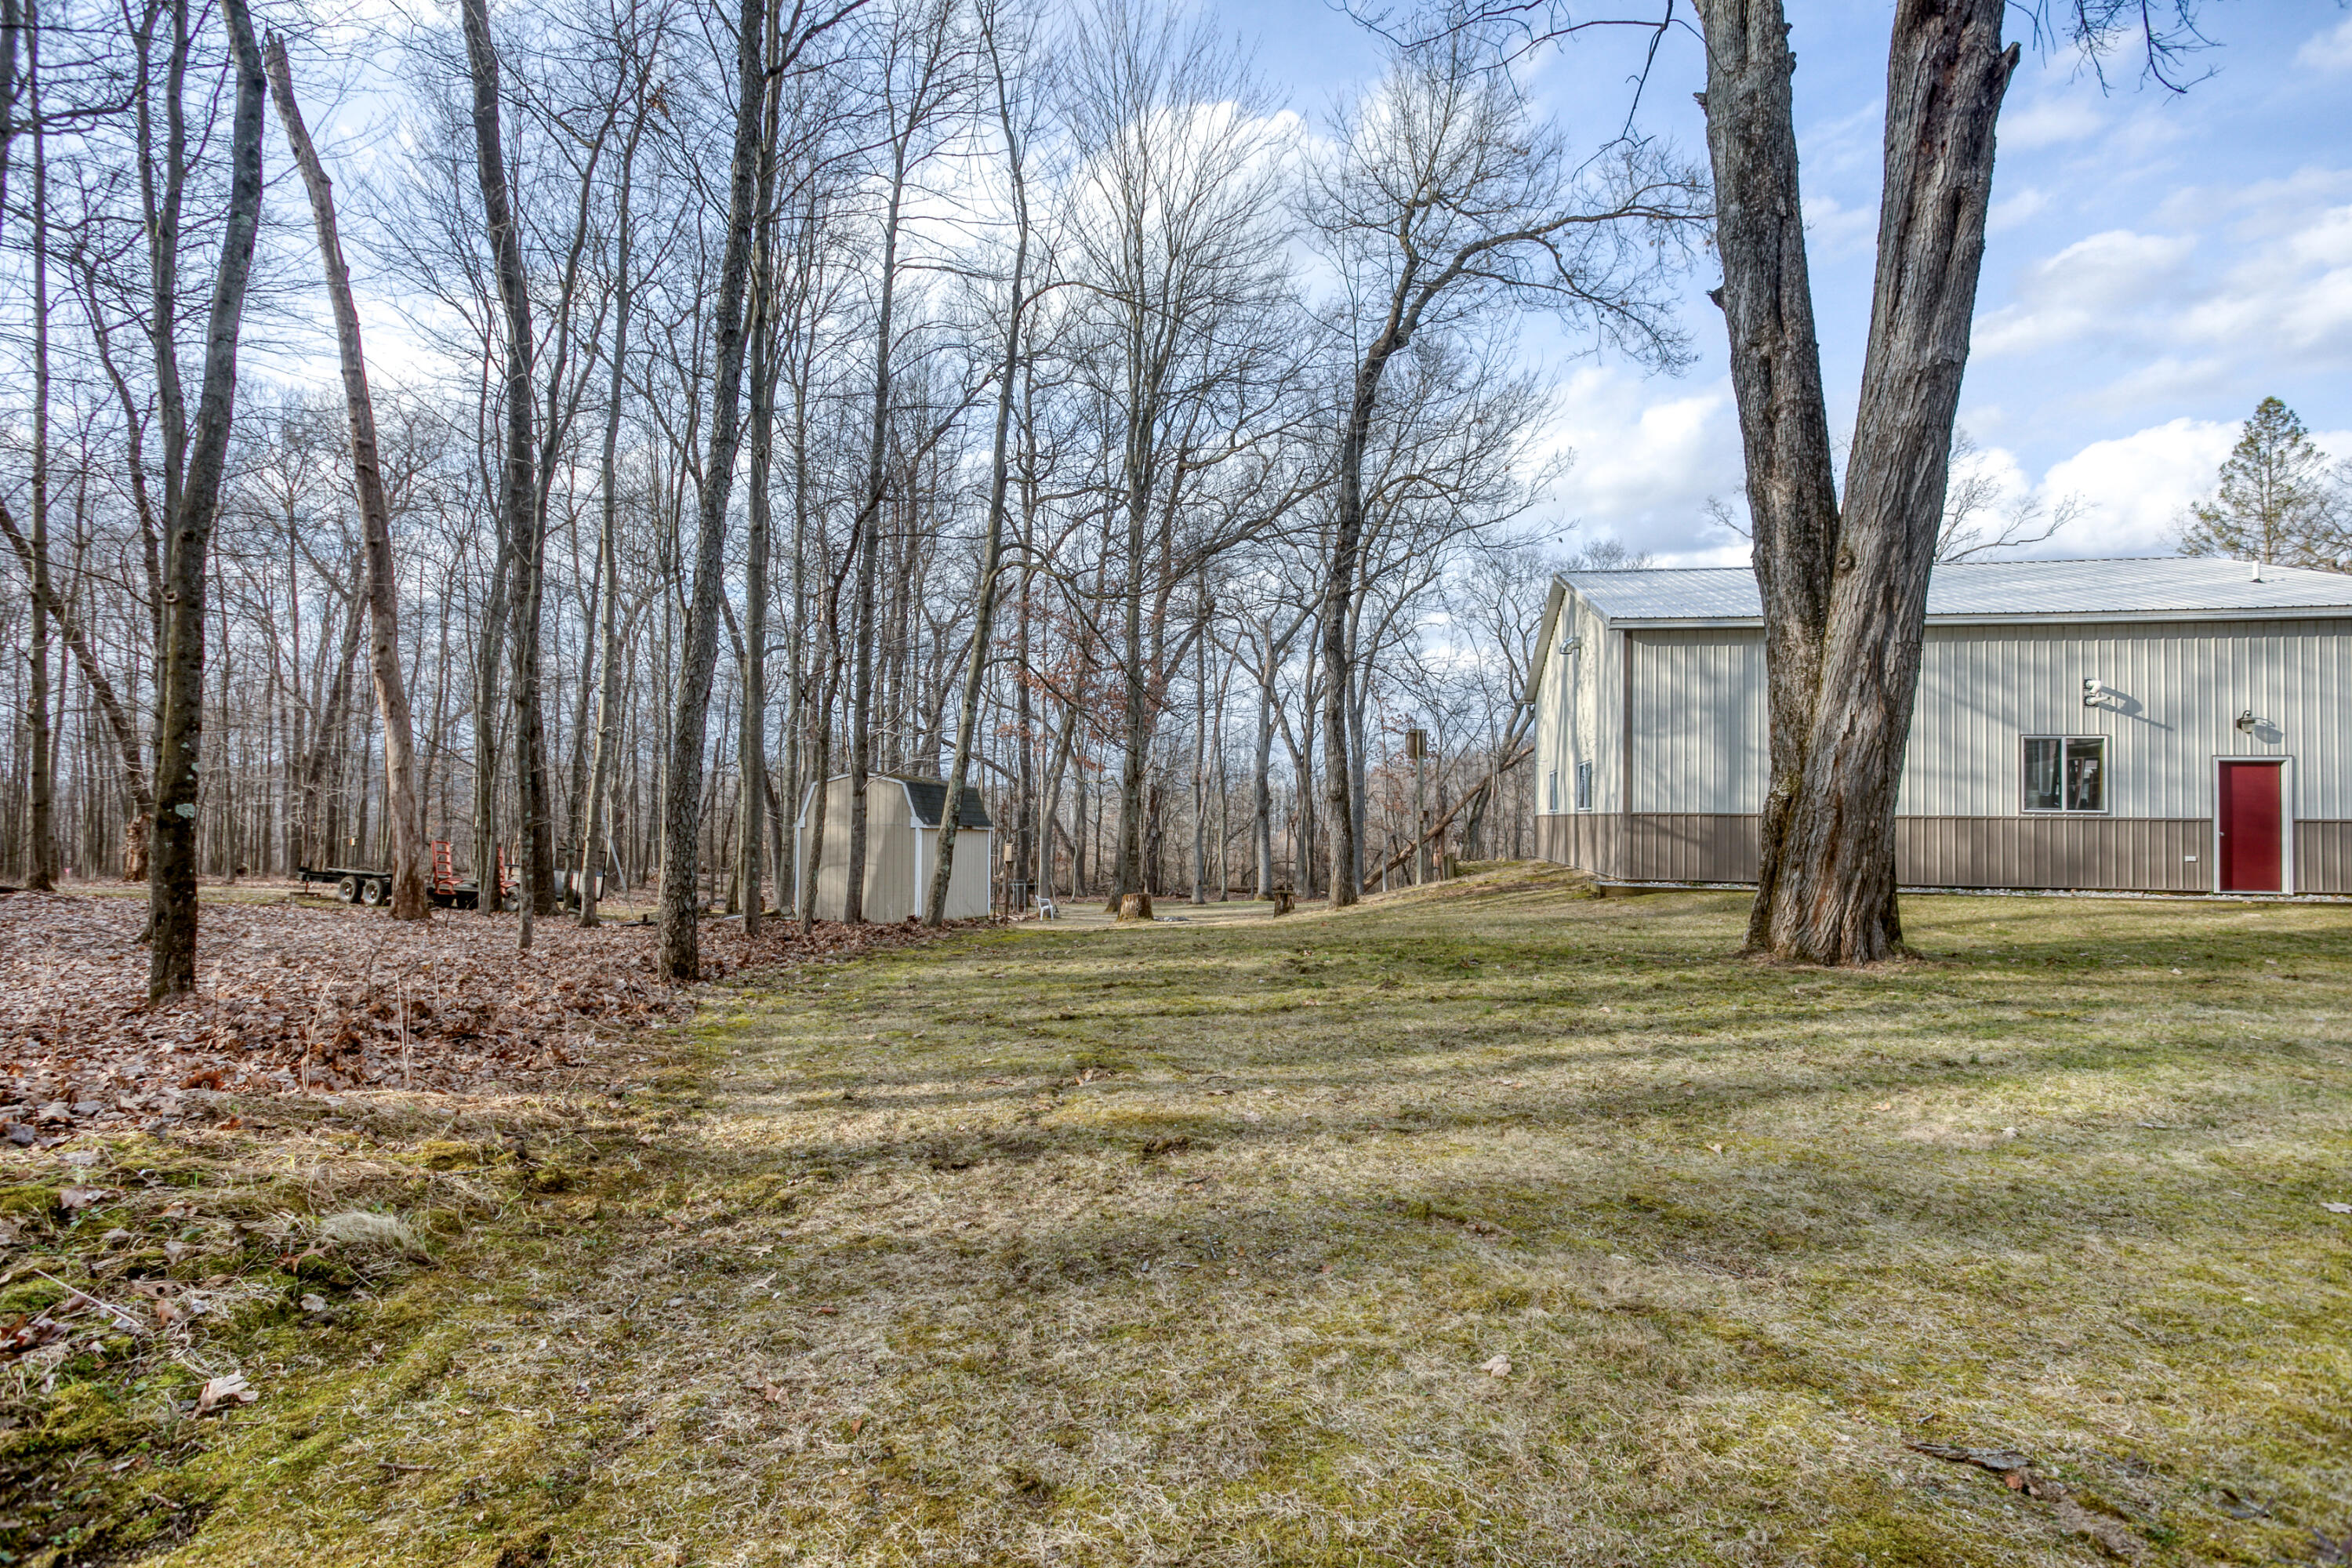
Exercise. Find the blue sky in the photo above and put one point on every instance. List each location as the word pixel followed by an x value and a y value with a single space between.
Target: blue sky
pixel 2158 263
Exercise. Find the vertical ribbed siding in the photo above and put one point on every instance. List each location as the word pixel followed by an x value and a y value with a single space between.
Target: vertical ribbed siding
pixel 1579 716
pixel 2180 688
pixel 2136 854
pixel 1693 846
pixel 2323 857
pixel 1700 738
pixel 1586 840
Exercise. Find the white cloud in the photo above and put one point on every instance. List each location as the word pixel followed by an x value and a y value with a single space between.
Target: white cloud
pixel 1832 228
pixel 2135 486
pixel 2328 51
pixel 2011 211
pixel 1646 466
pixel 2100 284
pixel 2049 122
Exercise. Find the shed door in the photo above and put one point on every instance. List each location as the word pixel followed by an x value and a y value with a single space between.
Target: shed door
pixel 2250 825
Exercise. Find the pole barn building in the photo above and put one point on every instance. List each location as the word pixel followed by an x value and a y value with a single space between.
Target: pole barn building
pixel 2179 725
pixel 902 832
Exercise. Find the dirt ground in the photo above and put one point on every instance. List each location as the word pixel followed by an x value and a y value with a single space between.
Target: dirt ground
pixel 1501 1225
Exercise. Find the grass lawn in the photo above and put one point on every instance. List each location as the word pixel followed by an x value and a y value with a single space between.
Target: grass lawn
pixel 1502 1225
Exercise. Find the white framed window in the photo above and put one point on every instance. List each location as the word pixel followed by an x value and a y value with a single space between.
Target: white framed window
pixel 2066 774
pixel 1584 786
pixel 1552 788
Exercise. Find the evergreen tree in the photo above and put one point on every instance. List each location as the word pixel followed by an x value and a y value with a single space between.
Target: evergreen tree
pixel 2278 500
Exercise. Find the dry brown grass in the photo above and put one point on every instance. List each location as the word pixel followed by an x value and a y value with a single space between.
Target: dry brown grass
pixel 1189 1243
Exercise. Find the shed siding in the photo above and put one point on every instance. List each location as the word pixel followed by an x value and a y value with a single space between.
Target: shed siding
pixel 968 879
pixel 889 852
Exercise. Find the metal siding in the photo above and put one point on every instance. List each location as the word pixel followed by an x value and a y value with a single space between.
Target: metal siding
pixel 1585 840
pixel 1701 736
pixel 1579 716
pixel 2323 857
pixel 2181 686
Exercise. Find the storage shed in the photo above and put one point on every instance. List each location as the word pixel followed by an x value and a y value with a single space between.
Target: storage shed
pixel 2169 725
pixel 902 834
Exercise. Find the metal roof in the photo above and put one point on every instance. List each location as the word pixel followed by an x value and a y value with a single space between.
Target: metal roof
pixel 2159 588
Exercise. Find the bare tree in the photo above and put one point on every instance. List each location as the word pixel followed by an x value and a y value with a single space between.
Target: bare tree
pixel 411 898
pixel 1443 198
pixel 172 858
pixel 1017 302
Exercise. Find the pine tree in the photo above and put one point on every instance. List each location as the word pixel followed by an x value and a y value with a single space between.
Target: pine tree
pixel 2278 500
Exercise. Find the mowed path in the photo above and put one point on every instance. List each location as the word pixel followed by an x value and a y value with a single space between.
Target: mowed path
pixel 1506 1226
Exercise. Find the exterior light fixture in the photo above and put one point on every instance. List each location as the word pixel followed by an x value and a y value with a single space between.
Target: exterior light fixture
pixel 1570 644
pixel 2247 722
pixel 2095 691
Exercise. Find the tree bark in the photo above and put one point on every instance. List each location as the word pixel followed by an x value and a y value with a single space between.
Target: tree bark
pixel 593 859
pixel 752 756
pixel 411 898
pixel 42 871
pixel 516 488
pixel 681 957
pixel 865 537
pixel 180 665
pixel 1844 588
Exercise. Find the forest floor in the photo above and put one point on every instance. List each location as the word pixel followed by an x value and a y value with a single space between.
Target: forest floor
pixel 1498 1225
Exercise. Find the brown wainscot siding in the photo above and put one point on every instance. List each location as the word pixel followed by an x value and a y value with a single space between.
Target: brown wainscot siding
pixel 2323 857
pixel 1589 840
pixel 2141 854
pixel 1692 847
pixel 2135 854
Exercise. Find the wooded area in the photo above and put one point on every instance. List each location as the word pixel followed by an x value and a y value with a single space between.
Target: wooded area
pixel 1032 403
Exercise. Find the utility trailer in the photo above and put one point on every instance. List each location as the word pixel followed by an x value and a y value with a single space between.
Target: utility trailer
pixel 367 885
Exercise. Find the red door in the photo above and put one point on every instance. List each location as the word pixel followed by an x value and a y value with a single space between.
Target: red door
pixel 2250 839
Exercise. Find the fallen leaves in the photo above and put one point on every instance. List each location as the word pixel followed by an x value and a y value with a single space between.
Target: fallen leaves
pixel 1498 1367
pixel 225 1390
pixel 306 999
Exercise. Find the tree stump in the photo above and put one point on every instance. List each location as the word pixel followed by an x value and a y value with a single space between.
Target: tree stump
pixel 1283 900
pixel 1134 907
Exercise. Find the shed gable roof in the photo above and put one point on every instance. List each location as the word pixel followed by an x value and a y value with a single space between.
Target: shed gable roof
pixel 928 795
pixel 2162 588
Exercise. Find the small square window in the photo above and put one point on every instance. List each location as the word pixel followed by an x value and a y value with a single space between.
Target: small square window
pixel 2065 772
pixel 1584 786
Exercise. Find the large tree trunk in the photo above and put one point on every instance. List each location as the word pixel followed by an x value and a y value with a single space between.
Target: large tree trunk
pixel 517 553
pixel 681 953
pixel 42 871
pixel 411 898
pixel 752 739
pixel 1338 598
pixel 180 664
pixel 1844 589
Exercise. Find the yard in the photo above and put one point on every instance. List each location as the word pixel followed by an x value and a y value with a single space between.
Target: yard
pixel 1503 1225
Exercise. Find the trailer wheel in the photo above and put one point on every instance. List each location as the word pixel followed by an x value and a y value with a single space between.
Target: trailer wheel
pixel 348 890
pixel 373 891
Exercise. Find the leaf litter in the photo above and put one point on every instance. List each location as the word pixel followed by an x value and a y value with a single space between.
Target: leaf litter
pixel 297 999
